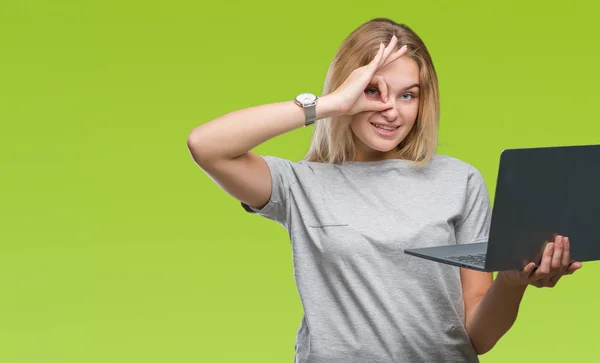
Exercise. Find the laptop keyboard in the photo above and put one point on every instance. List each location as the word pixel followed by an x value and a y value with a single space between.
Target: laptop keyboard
pixel 478 259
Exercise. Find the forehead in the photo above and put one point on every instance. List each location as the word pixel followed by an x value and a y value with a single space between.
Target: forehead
pixel 401 73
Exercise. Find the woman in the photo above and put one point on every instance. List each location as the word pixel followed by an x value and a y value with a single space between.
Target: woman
pixel 371 186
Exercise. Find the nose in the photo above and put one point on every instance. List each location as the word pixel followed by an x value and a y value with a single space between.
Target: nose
pixel 390 113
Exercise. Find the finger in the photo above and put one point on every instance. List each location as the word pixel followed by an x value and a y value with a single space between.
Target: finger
pixel 388 50
pixel 544 269
pixel 375 105
pixel 566 254
pixel 527 271
pixel 366 72
pixel 574 267
pixel 372 67
pixel 555 265
pixel 394 56
pixel 558 265
pixel 382 86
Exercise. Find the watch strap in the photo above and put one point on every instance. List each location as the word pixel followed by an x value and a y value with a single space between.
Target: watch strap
pixel 311 114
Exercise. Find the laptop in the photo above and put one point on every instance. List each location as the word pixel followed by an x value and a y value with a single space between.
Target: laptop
pixel 540 192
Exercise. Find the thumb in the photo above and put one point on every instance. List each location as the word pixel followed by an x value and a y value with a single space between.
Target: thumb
pixel 574 267
pixel 376 105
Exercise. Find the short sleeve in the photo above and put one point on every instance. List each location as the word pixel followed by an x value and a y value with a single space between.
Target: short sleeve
pixel 474 222
pixel 282 177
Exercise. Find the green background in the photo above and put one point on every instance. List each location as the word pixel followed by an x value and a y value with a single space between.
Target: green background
pixel 115 247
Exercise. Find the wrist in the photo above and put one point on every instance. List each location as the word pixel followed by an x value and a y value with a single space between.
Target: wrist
pixel 507 283
pixel 327 107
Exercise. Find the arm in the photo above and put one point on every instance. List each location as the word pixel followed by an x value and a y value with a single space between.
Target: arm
pixel 222 147
pixel 491 307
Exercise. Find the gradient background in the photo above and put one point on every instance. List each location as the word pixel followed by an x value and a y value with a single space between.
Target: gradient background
pixel 115 247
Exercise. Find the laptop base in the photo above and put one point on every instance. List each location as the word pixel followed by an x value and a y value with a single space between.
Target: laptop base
pixel 470 255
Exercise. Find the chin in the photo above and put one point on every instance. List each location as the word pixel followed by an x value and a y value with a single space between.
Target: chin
pixel 383 146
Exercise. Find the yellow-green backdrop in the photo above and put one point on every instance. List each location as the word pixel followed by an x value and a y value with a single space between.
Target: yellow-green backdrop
pixel 115 247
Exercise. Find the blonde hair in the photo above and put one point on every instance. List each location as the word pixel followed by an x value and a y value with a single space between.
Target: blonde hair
pixel 332 140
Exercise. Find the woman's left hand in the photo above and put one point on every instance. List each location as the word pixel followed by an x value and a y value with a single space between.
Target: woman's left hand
pixel 556 262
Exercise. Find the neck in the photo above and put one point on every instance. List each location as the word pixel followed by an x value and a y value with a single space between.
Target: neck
pixel 374 155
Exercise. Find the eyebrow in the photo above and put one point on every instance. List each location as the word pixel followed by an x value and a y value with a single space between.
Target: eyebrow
pixel 417 85
pixel 412 86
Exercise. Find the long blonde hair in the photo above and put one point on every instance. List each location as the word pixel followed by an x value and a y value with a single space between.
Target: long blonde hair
pixel 332 140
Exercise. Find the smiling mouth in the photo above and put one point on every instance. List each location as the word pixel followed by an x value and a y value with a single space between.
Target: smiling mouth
pixel 385 128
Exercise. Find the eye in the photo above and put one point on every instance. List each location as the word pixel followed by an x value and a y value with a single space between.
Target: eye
pixel 407 96
pixel 372 91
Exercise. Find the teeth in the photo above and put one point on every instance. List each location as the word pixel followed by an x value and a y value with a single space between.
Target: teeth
pixel 387 128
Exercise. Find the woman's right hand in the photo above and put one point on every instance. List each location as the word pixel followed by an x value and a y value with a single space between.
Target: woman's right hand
pixel 350 97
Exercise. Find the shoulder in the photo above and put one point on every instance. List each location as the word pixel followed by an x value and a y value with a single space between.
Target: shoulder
pixel 449 166
pixel 458 173
pixel 302 166
pixel 450 163
pixel 289 165
pixel 295 171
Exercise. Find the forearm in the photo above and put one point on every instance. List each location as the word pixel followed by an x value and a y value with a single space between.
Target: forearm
pixel 494 315
pixel 238 132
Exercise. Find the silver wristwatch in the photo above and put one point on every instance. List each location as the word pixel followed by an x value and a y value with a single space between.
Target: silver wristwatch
pixel 308 101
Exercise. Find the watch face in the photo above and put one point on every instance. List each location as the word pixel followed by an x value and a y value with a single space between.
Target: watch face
pixel 306 98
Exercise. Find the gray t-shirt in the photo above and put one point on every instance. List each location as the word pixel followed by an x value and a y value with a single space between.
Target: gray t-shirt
pixel 364 300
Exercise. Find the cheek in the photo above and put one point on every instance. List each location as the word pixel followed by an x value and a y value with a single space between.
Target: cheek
pixel 410 112
pixel 356 132
pixel 358 122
